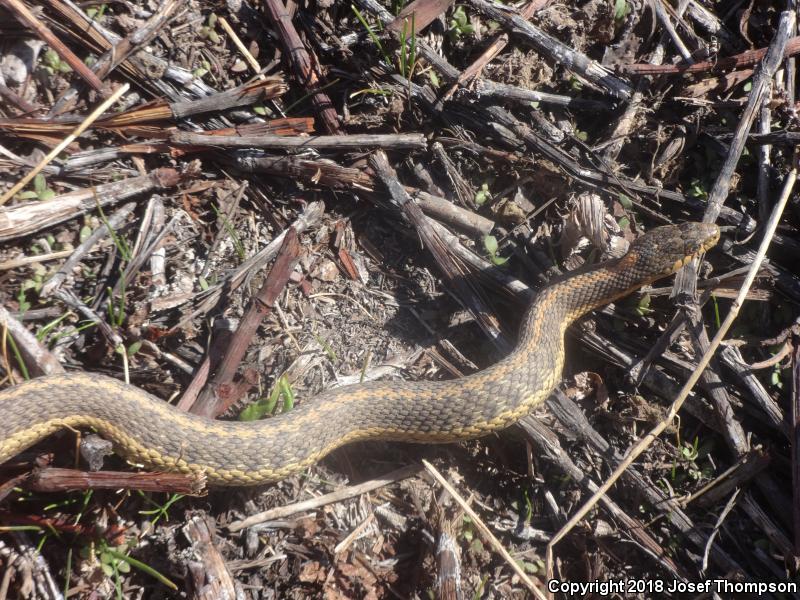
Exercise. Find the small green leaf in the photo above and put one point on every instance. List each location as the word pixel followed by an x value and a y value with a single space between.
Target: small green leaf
pixel 626 202
pixel 459 24
pixel 621 9
pixel 482 195
pixel 24 305
pixel 643 307
pixel 142 567
pixel 266 406
pixel 134 348
pixel 84 234
pixel 50 58
pixel 98 13
pixel 252 412
pixel 287 392
pixel 490 243
pixel 326 347
pixel 39 183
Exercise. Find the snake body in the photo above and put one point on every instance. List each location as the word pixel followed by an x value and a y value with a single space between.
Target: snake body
pixel 150 432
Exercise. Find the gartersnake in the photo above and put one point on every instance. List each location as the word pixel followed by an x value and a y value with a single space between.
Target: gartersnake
pixel 148 431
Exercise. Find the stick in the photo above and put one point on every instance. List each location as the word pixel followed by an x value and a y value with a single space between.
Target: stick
pixel 301 63
pixel 414 141
pixel 343 494
pixel 241 47
pixel 761 86
pixel 58 480
pixel 729 63
pixel 556 50
pixel 487 533
pixel 222 391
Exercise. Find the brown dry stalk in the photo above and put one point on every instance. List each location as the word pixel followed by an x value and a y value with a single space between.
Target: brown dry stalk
pixel 745 59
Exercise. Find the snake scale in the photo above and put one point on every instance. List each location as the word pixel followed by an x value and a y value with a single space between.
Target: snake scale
pixel 152 433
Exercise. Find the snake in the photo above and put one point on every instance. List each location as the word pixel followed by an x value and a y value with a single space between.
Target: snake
pixel 153 434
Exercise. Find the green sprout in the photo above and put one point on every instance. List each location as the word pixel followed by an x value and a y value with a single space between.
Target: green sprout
pixel 459 24
pixel 490 244
pixel 266 406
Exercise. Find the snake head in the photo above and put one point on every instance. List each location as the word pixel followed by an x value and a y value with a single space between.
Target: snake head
pixel 663 250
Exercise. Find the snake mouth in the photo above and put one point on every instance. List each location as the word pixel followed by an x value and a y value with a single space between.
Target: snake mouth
pixel 679 264
pixel 704 237
pixel 698 238
pixel 711 241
